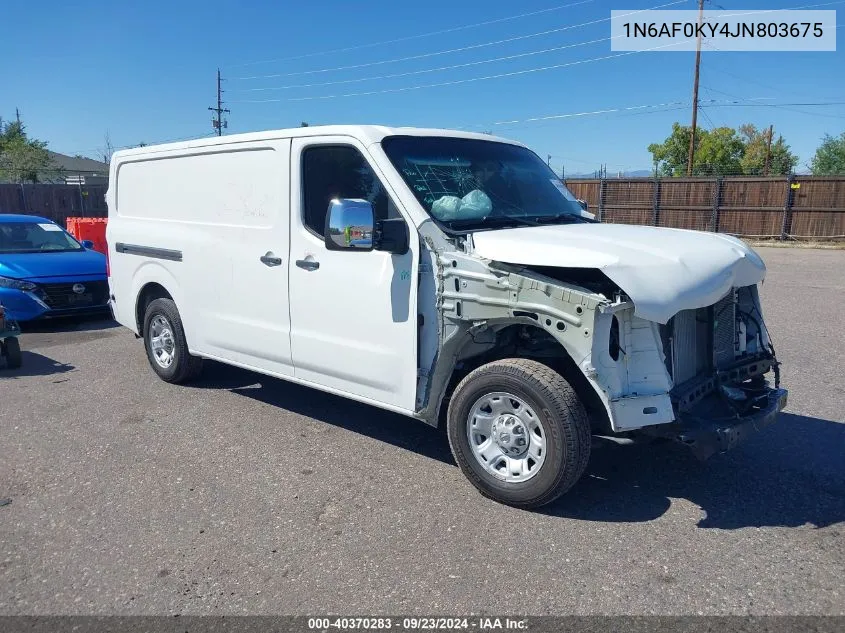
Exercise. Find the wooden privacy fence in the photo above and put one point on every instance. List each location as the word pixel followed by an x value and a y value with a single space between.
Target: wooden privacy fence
pixel 54 202
pixel 786 207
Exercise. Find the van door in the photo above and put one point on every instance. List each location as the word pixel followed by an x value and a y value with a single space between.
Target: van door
pixel 353 315
pixel 241 279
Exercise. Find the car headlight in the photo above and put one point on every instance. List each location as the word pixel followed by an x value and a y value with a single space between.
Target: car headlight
pixel 17 284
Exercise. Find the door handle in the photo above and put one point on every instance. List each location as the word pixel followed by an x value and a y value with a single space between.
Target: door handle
pixel 271 260
pixel 307 264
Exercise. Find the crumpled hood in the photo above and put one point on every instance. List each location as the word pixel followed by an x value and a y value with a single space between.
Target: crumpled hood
pixel 55 264
pixel 662 270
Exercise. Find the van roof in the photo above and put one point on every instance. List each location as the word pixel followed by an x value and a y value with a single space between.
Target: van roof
pixel 368 134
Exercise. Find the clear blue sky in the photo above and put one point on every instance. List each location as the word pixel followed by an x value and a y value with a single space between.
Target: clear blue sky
pixel 146 72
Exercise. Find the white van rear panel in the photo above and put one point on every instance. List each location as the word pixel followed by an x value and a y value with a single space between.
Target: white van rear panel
pixel 197 221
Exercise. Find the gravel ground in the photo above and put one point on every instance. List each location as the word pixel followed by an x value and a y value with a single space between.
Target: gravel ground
pixel 244 494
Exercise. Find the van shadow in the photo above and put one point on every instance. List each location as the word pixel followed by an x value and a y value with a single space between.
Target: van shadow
pixel 34 364
pixel 789 475
pixel 381 425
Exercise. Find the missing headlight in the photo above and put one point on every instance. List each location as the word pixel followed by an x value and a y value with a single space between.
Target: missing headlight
pixel 613 342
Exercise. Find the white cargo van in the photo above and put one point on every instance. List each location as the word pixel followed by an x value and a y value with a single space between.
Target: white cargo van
pixel 447 276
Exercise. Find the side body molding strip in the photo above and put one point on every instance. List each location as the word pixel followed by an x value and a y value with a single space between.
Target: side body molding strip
pixel 149 251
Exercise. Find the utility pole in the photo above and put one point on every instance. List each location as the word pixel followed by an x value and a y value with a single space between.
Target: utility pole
pixel 218 122
pixel 768 150
pixel 18 116
pixel 691 156
pixel 549 160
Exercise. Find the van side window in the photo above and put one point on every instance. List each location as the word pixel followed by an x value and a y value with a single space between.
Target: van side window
pixel 338 171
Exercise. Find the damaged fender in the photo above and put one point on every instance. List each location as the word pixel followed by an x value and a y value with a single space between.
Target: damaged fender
pixel 474 298
pixel 662 270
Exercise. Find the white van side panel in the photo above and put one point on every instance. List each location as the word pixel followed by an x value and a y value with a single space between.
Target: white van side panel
pixel 221 208
pixel 188 188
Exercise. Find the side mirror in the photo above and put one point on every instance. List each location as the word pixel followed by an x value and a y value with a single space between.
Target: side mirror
pixel 392 236
pixel 88 244
pixel 584 205
pixel 349 225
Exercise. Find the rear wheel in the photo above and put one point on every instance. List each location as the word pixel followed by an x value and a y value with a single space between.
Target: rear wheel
pixel 166 345
pixel 12 352
pixel 519 432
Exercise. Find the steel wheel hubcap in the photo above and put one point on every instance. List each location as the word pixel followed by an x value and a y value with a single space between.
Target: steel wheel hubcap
pixel 506 437
pixel 161 341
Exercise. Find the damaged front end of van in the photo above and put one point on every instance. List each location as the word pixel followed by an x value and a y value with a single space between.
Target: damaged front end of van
pixel 660 331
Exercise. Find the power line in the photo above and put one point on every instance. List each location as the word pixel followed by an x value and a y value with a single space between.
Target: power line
pixel 821 114
pixel 474 79
pixel 669 105
pixel 412 37
pixel 485 44
pixel 807 112
pixel 707 116
pixel 192 137
pixel 468 80
pixel 783 105
pixel 806 6
pixel 589 113
pixel 453 50
pixel 430 70
pixel 650 109
pixel 753 81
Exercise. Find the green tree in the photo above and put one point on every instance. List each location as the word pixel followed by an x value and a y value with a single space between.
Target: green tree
pixel 717 151
pixel 21 158
pixel 830 156
pixel 670 156
pixel 722 151
pixel 781 160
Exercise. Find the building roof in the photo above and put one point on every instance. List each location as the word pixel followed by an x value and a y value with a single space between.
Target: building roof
pixel 78 164
pixel 368 134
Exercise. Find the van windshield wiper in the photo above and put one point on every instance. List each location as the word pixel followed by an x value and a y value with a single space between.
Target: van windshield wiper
pixel 490 222
pixel 557 218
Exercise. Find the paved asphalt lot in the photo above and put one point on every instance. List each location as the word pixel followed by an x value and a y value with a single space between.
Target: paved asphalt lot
pixel 244 494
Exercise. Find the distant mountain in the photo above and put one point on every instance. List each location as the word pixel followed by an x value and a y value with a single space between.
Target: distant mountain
pixel 636 173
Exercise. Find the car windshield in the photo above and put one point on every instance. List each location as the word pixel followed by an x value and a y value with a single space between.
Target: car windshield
pixel 469 184
pixel 35 237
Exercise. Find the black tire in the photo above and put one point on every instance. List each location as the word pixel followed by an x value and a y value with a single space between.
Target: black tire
pixel 560 411
pixel 12 352
pixel 183 367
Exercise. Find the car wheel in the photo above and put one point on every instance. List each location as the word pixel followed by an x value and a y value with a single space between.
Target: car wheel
pixel 12 352
pixel 518 432
pixel 166 345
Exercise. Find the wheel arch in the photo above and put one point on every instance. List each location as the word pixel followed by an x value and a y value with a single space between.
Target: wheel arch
pixel 510 342
pixel 153 281
pixel 150 292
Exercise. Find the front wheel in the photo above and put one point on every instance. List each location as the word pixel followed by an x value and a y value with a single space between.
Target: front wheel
pixel 518 432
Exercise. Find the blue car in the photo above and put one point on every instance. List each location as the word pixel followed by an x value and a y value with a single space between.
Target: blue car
pixel 45 272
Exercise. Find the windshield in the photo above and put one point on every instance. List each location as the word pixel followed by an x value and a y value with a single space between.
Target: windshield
pixel 469 184
pixel 35 237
